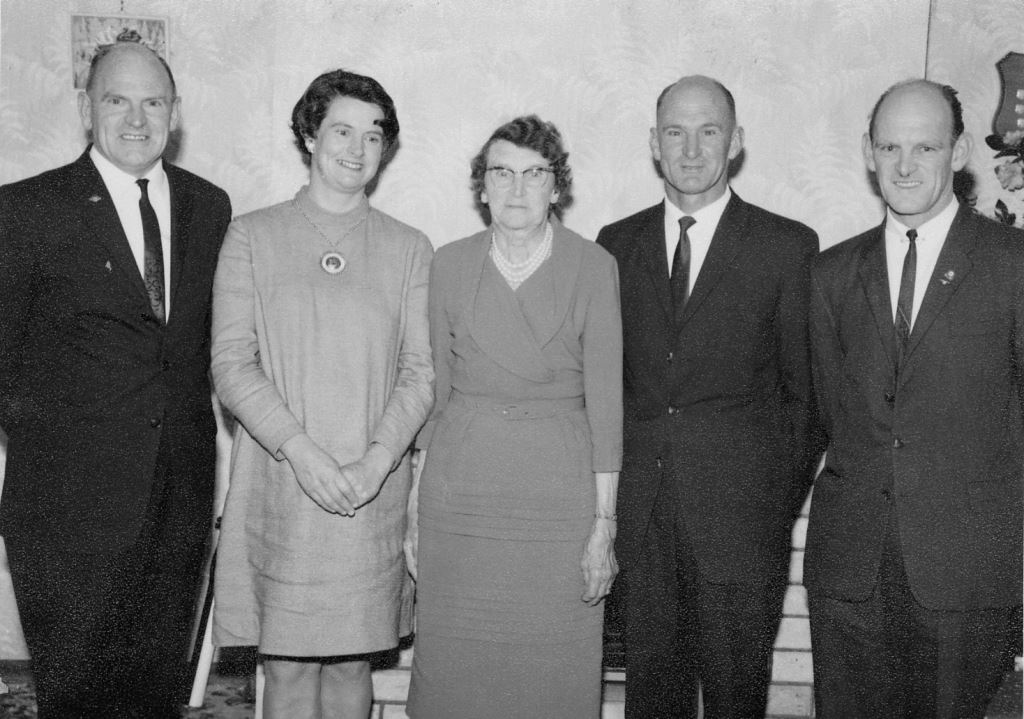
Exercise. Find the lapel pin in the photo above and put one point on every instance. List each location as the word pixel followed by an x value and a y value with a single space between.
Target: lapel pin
pixel 95 198
pixel 948 277
pixel 109 268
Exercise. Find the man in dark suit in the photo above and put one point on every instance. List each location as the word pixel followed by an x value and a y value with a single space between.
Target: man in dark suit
pixel 106 269
pixel 717 419
pixel 914 546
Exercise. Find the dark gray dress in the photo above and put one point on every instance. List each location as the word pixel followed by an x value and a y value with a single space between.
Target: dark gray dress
pixel 529 407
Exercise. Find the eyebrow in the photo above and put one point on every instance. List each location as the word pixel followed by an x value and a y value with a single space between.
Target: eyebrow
pixel 340 123
pixel 704 124
pixel 106 94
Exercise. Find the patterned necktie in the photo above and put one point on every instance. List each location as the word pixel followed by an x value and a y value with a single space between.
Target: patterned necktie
pixel 905 303
pixel 153 261
pixel 679 280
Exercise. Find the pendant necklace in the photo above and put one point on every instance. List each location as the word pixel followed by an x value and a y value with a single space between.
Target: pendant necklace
pixel 332 262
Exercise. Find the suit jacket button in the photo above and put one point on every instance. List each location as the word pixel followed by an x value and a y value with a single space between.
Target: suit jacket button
pixel 155 422
pixel 897 443
pixel 887 494
pixel 672 410
pixel 165 365
pixel 890 397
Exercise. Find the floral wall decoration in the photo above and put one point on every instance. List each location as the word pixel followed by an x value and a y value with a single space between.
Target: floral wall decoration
pixel 1008 139
pixel 89 32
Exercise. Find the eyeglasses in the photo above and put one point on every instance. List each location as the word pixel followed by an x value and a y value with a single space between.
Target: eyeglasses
pixel 502 177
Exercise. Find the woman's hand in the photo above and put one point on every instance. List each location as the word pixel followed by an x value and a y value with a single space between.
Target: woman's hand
pixel 598 562
pixel 367 474
pixel 320 477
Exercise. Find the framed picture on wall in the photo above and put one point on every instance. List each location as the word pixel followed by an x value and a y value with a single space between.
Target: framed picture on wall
pixel 88 32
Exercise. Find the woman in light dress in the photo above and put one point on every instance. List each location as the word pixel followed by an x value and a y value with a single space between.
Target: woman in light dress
pixel 321 351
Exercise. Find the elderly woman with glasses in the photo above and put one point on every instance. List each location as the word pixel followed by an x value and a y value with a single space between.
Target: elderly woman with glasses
pixel 516 503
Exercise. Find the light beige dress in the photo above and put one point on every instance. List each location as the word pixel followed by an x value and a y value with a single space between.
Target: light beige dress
pixel 345 358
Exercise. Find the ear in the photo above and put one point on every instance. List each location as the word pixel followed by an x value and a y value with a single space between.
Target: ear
pixel 655 147
pixel 866 149
pixel 85 109
pixel 962 151
pixel 310 145
pixel 736 142
pixel 554 197
pixel 175 114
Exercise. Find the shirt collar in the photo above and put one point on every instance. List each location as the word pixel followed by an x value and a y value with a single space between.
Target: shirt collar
pixel 116 178
pixel 937 227
pixel 707 216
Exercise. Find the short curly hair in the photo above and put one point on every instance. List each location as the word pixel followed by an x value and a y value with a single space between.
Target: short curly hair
pixel 532 133
pixel 311 109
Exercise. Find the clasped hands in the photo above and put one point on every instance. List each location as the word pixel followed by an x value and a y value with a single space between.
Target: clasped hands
pixel 335 488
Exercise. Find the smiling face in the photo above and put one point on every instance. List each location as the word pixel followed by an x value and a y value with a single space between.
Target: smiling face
pixel 346 152
pixel 517 209
pixel 913 153
pixel 130 109
pixel 694 141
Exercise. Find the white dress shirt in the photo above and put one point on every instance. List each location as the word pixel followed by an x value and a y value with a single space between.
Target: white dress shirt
pixel 931 236
pixel 700 233
pixel 126 193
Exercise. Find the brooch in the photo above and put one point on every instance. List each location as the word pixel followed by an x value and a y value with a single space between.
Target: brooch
pixel 948 277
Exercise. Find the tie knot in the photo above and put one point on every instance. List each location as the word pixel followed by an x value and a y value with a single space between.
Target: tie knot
pixel 686 222
pixel 912 235
pixel 143 185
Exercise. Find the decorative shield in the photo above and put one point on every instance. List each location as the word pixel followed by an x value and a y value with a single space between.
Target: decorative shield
pixel 1010 115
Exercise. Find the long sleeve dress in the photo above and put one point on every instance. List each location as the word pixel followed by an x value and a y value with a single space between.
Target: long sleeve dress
pixel 344 358
pixel 529 390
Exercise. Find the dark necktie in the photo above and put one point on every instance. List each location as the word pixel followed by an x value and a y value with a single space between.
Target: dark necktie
pixel 905 303
pixel 153 261
pixel 679 280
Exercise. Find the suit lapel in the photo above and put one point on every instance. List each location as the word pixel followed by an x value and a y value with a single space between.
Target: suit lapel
pixel 951 268
pixel 654 259
pixel 181 220
pixel 726 242
pixel 104 224
pixel 874 278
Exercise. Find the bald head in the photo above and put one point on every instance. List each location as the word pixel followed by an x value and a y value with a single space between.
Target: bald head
pixel 103 52
pixel 709 84
pixel 947 93
pixel 129 107
pixel 915 146
pixel 694 140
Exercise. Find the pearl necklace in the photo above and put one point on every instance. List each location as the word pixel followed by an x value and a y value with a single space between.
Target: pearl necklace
pixel 516 273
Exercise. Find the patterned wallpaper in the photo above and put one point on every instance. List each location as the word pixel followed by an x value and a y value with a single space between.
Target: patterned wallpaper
pixel 804 72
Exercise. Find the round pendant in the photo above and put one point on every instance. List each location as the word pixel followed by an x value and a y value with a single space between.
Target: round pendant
pixel 332 263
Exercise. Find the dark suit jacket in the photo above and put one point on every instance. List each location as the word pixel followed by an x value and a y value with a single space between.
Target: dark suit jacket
pixel 101 403
pixel 720 403
pixel 942 447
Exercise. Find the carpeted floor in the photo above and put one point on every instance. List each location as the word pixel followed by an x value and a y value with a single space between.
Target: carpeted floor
pixel 227 697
